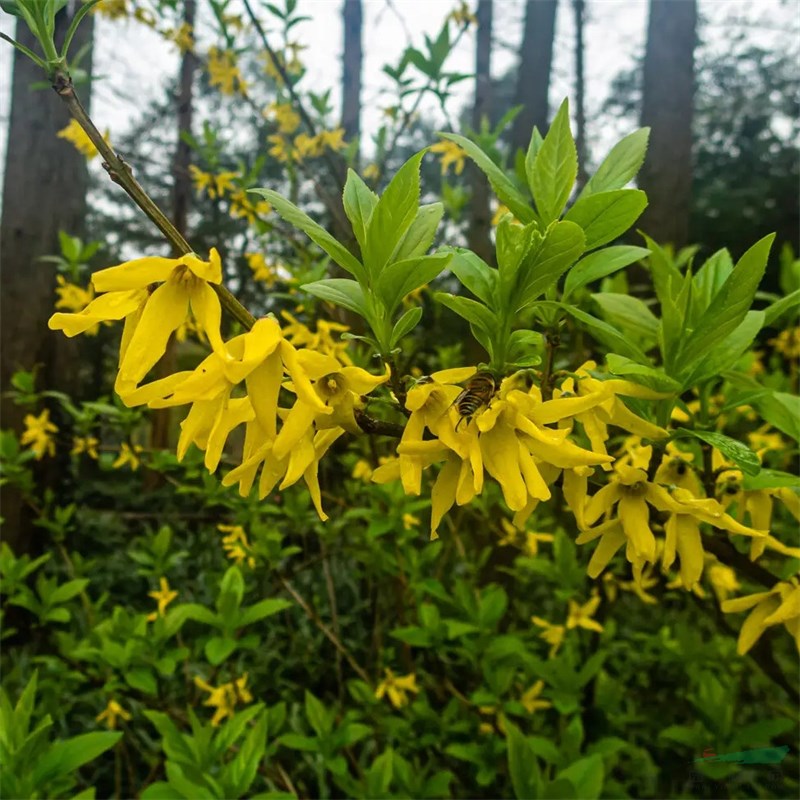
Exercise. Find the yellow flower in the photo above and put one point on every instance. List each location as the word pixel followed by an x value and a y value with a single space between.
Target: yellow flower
pixel 38 435
pixel 321 340
pixel 781 604
pixel 113 9
pixel 333 140
pixel 642 581
pixel 72 297
pixel 85 444
pixel 214 185
pixel 499 214
pixel 150 318
pixel 580 616
pixel 128 455
pixel 223 72
pixel 164 596
pixel 287 118
pixel 362 470
pixel 530 699
pixel 281 147
pixel 112 712
pixel 262 271
pixel 462 15
pixel 371 172
pixel 226 697
pixel 451 154
pixel 242 207
pixel 235 544
pixel 78 137
pixel 787 343
pixel 722 578
pixel 183 37
pixel 552 634
pixel 410 521
pixel 308 146
pixel 396 688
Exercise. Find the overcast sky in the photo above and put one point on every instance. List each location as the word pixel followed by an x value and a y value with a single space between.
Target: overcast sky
pixel 129 55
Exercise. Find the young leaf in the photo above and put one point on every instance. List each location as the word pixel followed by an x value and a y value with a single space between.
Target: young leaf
pixel 522 764
pixel 403 277
pixel 264 608
pixel 294 216
pixel 620 165
pixel 501 184
pixel 586 775
pixel 392 216
pixel 651 377
pixel 607 334
pixel 663 271
pixel 777 309
pixel 607 215
pixel 473 273
pixel 770 479
pixel 66 756
pixel 627 312
pixel 419 237
pixel 470 310
pixel 736 451
pixel 555 169
pixel 359 203
pixel 407 322
pixel 711 277
pixel 317 715
pixel 601 263
pixel 341 292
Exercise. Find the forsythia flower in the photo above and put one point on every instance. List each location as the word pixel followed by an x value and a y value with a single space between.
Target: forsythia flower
pixel 262 271
pixel 451 154
pixel 530 699
pixel 128 455
pixel 226 697
pixel 78 137
pixel 580 616
pixel 235 544
pixel 150 318
pixel 321 340
pixel 38 434
pixel 781 604
pixel 72 297
pixel 223 72
pixel 787 343
pixel 214 185
pixel 183 37
pixel 462 15
pixel 242 207
pixel 362 470
pixel 85 444
pixel 164 596
pixel 112 712
pixel 113 9
pixel 410 521
pixel 552 634
pixel 285 116
pixel 499 214
pixel 396 688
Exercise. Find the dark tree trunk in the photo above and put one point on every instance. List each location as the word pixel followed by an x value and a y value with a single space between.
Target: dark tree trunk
pixel 579 8
pixel 353 58
pixel 667 107
pixel 480 227
pixel 44 191
pixel 533 79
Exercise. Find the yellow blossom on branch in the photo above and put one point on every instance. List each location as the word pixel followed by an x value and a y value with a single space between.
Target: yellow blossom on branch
pixel 530 698
pixel 362 471
pixel 397 688
pixel 113 9
pixel 780 605
pixel 552 634
pixel 164 596
pixel 451 154
pixel 224 72
pixel 226 697
pixel 85 444
pixel 112 713
pixel 127 455
pixel 287 119
pixel 236 545
pixel 580 616
pixel 72 297
pixel 38 435
pixel 78 137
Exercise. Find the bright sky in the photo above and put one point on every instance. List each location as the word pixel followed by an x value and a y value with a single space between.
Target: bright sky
pixel 128 55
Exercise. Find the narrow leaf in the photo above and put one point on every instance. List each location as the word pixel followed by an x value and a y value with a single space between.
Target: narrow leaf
pixel 607 215
pixel 555 168
pixel 621 165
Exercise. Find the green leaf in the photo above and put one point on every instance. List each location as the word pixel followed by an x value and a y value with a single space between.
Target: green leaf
pixel 218 648
pixel 67 591
pixel 732 449
pixel 359 203
pixel 264 608
pixel 524 347
pixel 770 479
pixel 318 716
pixel 782 410
pixel 621 165
pixel 562 246
pixel 601 263
pixel 555 169
pixel 379 775
pixel 392 216
pixel 501 184
pixel 295 741
pixel 470 310
pixel 586 775
pixel 711 277
pixel 341 292
pixel 666 276
pixel 607 215
pixel 729 305
pixel 161 790
pixel 534 146
pixel 419 237
pixel 66 756
pixel 403 277
pixel 607 334
pixel 473 273
pixel 628 313
pixel 777 309
pixel 651 377
pixel 522 764
pixel 294 216
pixel 142 679
pixel 407 322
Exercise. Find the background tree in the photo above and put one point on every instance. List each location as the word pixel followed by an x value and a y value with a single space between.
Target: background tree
pixel 533 77
pixel 667 108
pixel 353 58
pixel 579 12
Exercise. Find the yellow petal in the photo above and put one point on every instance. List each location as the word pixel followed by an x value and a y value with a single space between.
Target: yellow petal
pixel 136 274
pixel 602 502
pixel 208 313
pixel 210 270
pixel 237 411
pixel 360 381
pixel 609 543
pixel 263 388
pixel 690 550
pixel 295 426
pixel 500 452
pixel 635 518
pixel 789 609
pixel 301 456
pixel 755 624
pixel 555 410
pixel 738 604
pixel 443 494
pixel 302 385
pixel 112 306
pixel 456 375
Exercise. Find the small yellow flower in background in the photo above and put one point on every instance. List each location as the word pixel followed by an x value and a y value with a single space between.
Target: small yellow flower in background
pixel 113 9
pixel 113 712
pixel 78 137
pixel 262 270
pixel 530 699
pixel 580 616
pixel 451 154
pixel 532 540
pixel 182 36
pixel 72 297
pixel 164 596
pixel 242 207
pixel 764 441
pixel 781 604
pixel 223 72
pixel 501 211
pixel 642 581
pixel 128 455
pixel 371 172
pixel 38 435
pixel 362 470
pixel 722 578
pixel 321 340
pixel 287 119
pixel 226 697
pixel 396 688
pixel 85 444
pixel 787 343
pixel 236 545
pixel 333 140
pixel 410 521
pixel 144 16
pixel 552 634
pixel 462 15
pixel 281 148
pixel 308 146
pixel 215 185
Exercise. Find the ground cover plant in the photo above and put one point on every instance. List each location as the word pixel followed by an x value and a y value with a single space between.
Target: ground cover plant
pixel 431 523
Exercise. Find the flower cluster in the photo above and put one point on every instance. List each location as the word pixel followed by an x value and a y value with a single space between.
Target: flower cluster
pixel 224 72
pixel 303 146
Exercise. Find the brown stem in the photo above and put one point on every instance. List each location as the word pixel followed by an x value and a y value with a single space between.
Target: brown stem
pixel 731 557
pixel 552 341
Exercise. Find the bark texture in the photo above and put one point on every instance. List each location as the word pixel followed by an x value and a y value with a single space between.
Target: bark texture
pixel 353 59
pixel 533 79
pixel 579 10
pixel 667 108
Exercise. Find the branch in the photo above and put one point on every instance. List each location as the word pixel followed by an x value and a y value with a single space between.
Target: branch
pixel 731 557
pixel 371 425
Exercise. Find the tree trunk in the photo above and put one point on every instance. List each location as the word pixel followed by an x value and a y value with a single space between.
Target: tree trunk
pixel 579 9
pixel 667 107
pixel 352 15
pixel 479 234
pixel 533 79
pixel 44 191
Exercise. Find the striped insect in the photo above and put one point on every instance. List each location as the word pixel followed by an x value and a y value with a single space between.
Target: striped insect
pixel 478 392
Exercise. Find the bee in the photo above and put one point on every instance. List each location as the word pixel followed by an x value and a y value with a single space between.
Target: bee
pixel 478 392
